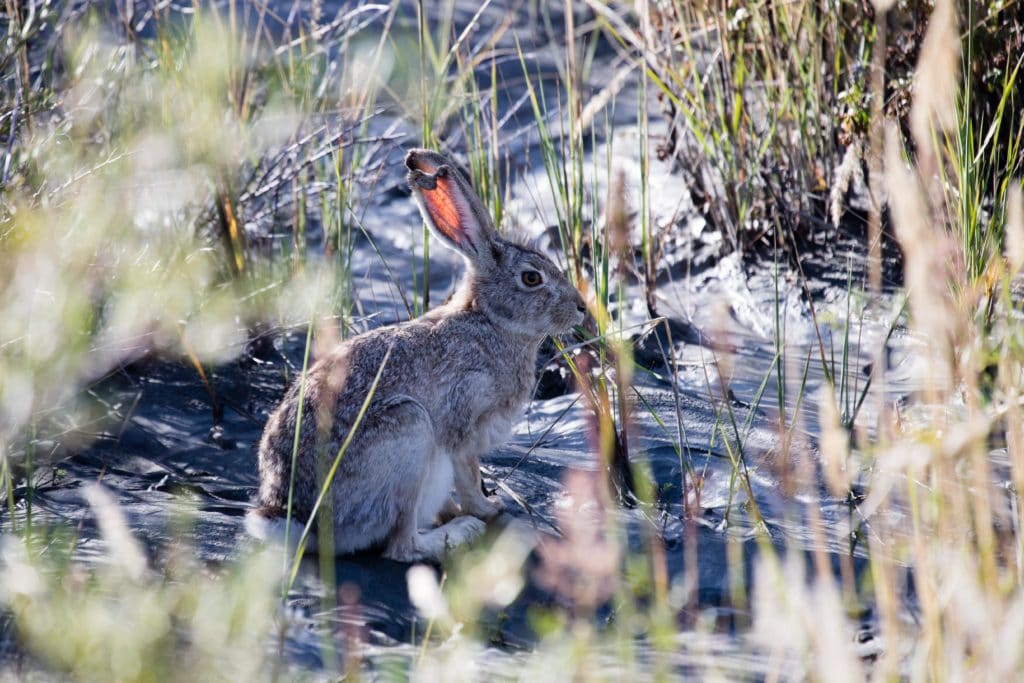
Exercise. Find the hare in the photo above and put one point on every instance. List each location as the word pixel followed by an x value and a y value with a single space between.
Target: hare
pixel 454 381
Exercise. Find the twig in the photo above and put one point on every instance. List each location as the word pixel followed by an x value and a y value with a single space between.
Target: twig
pixel 530 510
pixel 12 130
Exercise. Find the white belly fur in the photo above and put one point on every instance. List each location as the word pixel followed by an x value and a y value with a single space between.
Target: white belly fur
pixel 493 433
pixel 436 489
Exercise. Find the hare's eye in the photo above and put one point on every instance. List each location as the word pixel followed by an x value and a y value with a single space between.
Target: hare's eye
pixel 531 278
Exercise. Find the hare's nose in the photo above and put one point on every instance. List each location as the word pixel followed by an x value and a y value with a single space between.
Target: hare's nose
pixel 580 306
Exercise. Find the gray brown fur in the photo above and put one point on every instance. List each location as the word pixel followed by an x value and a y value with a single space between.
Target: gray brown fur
pixel 454 383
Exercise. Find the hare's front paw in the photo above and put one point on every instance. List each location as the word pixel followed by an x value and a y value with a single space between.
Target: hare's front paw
pixel 485 508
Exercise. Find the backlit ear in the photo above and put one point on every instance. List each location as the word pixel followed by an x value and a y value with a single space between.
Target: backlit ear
pixel 448 204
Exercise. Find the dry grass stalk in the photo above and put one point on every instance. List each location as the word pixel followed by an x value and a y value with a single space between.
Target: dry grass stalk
pixel 876 151
pixel 1015 228
pixel 582 567
pixel 927 253
pixel 849 170
pixel 834 444
pixel 936 85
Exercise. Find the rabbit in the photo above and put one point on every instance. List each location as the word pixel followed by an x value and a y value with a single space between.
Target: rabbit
pixel 455 380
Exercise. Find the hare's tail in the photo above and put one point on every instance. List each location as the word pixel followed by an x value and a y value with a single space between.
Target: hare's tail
pixel 267 526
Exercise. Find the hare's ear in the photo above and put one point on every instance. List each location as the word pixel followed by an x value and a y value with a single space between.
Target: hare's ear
pixel 449 205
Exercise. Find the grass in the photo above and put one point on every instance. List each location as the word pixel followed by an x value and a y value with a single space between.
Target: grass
pixel 127 619
pixel 167 175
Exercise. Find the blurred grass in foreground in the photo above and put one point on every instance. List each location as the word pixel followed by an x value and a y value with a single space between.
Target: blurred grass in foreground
pixel 138 172
pixel 124 620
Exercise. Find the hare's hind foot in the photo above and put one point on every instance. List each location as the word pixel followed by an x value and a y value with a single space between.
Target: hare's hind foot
pixel 435 544
pixel 272 529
